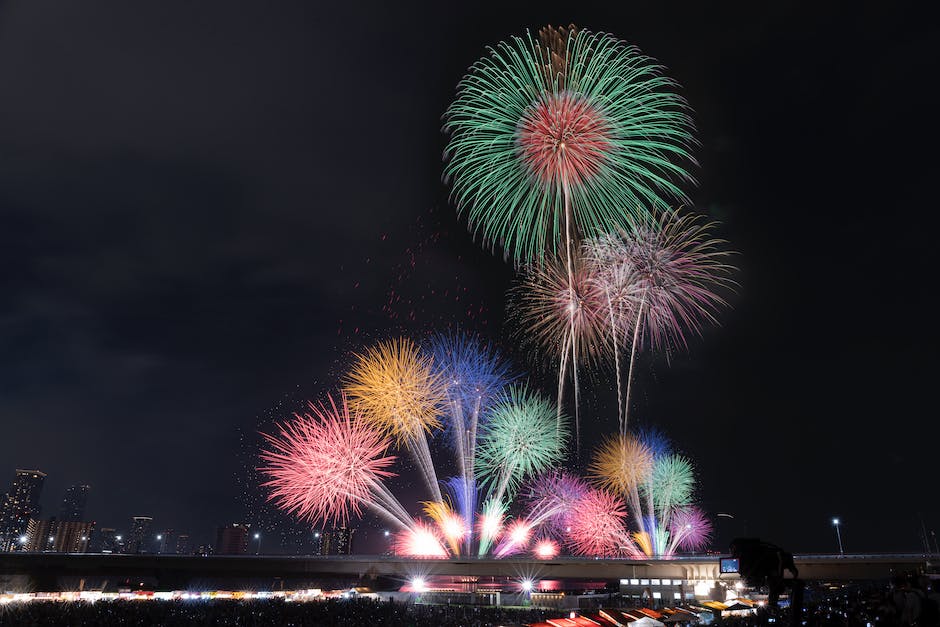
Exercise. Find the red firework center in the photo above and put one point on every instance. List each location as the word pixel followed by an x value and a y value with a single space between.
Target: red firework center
pixel 563 139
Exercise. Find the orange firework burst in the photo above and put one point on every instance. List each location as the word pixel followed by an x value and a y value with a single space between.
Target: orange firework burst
pixel 394 387
pixel 621 464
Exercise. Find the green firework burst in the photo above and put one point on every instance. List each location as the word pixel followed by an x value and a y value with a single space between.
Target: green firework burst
pixel 672 483
pixel 576 126
pixel 523 436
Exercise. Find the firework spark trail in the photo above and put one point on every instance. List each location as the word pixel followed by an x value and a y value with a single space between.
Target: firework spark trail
pixel 490 525
pixel 677 271
pixel 515 539
pixel 472 373
pixel 325 465
pixel 521 438
pixel 394 387
pixel 551 497
pixel 560 315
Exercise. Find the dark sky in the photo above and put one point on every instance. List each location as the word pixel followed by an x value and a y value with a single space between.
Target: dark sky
pixel 204 206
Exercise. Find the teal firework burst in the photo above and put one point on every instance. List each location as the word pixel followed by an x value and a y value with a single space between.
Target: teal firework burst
pixel 562 137
pixel 523 436
pixel 672 483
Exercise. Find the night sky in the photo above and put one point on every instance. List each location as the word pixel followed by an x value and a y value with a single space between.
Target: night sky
pixel 205 206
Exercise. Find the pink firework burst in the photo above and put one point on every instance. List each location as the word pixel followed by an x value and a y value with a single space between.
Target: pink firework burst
pixel 678 270
pixel 690 529
pixel 324 465
pixel 597 525
pixel 563 139
pixel 419 541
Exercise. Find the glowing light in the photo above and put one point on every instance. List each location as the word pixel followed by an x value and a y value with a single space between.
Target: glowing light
pixel 420 541
pixel 546 549
pixel 418 585
pixel 527 585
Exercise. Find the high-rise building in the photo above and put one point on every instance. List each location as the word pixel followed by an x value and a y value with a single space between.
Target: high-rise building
pixel 139 540
pixel 336 541
pixel 73 504
pixel 58 536
pixel 108 540
pixel 183 544
pixel 166 542
pixel 232 539
pixel 19 507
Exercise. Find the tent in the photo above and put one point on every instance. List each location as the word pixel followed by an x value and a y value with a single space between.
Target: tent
pixel 681 616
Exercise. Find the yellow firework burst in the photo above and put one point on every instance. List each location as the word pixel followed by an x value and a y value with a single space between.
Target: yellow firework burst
pixel 394 388
pixel 622 463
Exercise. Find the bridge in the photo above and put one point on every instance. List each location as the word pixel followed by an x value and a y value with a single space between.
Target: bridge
pixel 54 571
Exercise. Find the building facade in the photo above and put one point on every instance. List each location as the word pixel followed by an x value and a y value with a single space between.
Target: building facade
pixel 232 539
pixel 73 504
pixel 19 506
pixel 139 539
pixel 58 536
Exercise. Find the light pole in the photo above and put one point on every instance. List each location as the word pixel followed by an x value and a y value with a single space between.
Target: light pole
pixel 836 523
pixel 162 546
pixel 258 548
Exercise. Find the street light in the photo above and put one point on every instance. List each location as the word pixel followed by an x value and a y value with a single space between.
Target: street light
pixel 836 523
pixel 258 538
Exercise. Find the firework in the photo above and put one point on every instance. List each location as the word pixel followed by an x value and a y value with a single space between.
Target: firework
pixel 490 525
pixel 561 315
pixel 621 464
pixel 564 136
pixel 671 273
pixel 522 437
pixel 597 526
pixel 324 465
pixel 395 388
pixel 690 529
pixel 671 483
pixel 515 538
pixel 419 541
pixel 452 527
pixel 471 373
pixel 552 496
pixel 546 549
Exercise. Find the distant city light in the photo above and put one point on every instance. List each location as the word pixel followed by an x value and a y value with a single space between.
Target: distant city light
pixel 23 539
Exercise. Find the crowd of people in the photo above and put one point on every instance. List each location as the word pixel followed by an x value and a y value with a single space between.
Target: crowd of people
pixel 264 613
pixel 907 602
